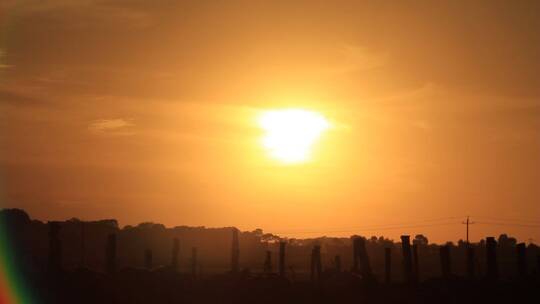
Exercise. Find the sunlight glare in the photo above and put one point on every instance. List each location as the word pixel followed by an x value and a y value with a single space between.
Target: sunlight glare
pixel 291 133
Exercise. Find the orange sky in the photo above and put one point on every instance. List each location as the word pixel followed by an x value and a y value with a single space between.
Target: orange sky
pixel 145 111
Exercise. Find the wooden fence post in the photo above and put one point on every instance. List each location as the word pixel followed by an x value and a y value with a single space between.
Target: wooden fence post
pixel 491 258
pixel 55 249
pixel 416 266
pixel 356 244
pixel 174 254
pixel 235 255
pixel 387 265
pixel 470 262
pixel 444 252
pixel 521 260
pixel 110 254
pixel 365 266
pixel 148 259
pixel 407 261
pixel 268 262
pixel 194 262
pixel 282 258
pixel 319 262
pixel 316 265
pixel 83 246
pixel 337 263
pixel 538 263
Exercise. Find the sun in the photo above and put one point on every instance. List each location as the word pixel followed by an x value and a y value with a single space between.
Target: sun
pixel 291 133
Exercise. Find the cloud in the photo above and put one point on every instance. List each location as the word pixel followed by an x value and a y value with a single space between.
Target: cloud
pixel 116 127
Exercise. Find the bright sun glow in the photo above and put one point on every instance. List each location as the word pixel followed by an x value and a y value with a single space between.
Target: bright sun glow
pixel 291 133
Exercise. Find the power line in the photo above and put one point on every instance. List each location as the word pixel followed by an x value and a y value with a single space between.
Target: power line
pixel 509 224
pixel 377 226
pixel 416 224
pixel 370 229
pixel 527 221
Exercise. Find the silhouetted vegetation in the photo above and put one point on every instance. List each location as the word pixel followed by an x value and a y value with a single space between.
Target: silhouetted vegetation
pixel 98 262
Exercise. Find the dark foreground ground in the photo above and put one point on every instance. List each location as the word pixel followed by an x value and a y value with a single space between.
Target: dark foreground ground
pixel 142 286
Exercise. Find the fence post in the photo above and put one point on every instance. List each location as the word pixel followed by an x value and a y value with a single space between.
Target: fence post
pixel 174 254
pixel 416 266
pixel 387 265
pixel 337 263
pixel 110 253
pixel 194 262
pixel 268 262
pixel 365 267
pixel 444 252
pixel 319 262
pixel 521 260
pixel 470 261
pixel 282 258
pixel 355 254
pixel 83 247
pixel 407 262
pixel 538 263
pixel 491 258
pixel 148 259
pixel 55 249
pixel 235 255
pixel 316 265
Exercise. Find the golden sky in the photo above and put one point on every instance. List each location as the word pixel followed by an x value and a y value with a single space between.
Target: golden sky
pixel 146 111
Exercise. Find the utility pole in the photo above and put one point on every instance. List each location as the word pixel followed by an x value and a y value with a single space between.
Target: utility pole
pixel 467 223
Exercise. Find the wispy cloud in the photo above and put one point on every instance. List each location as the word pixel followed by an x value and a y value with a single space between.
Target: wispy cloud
pixel 116 126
